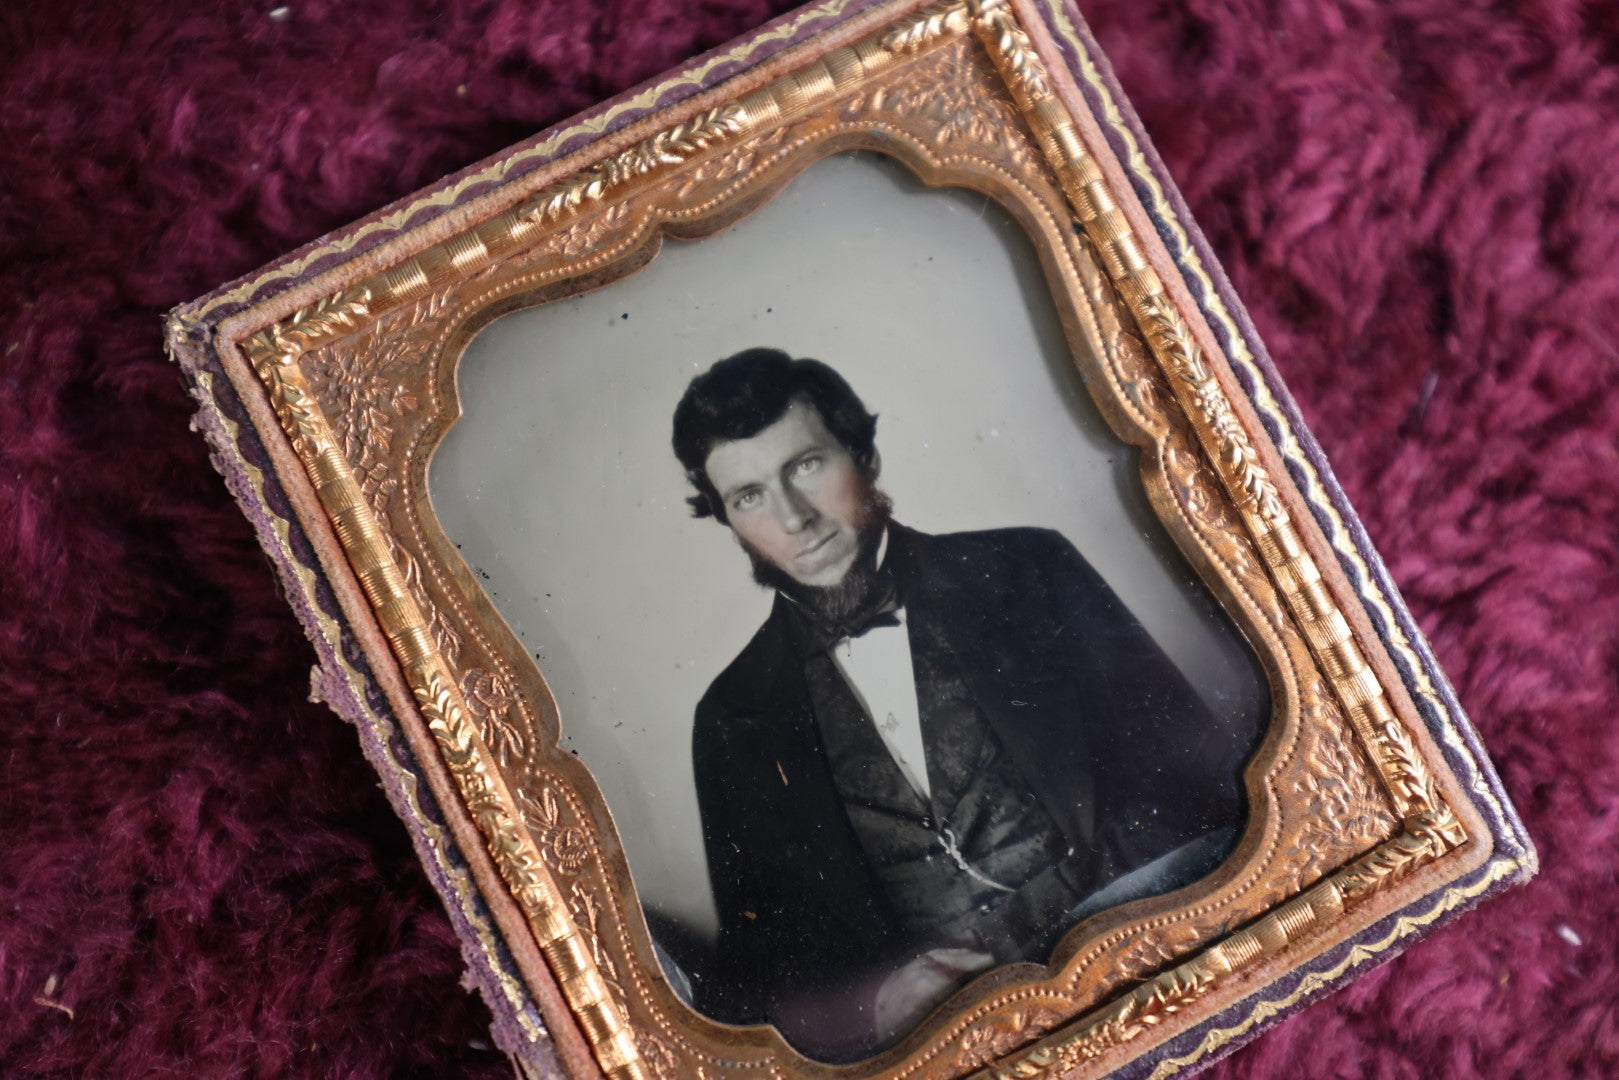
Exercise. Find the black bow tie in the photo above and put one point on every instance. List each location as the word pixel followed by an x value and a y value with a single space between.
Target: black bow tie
pixel 857 625
pixel 880 609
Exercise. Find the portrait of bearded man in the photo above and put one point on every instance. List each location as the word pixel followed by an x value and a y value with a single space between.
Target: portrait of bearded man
pixel 938 753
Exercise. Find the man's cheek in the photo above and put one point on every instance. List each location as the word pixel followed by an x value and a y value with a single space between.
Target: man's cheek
pixel 763 542
pixel 856 504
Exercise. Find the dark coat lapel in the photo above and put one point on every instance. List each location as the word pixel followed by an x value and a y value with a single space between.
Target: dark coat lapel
pixel 995 629
pixel 771 729
pixel 784 809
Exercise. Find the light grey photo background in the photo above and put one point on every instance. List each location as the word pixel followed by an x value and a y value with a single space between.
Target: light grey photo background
pixel 561 491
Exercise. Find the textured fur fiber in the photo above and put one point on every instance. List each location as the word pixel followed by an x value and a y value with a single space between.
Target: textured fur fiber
pixel 198 875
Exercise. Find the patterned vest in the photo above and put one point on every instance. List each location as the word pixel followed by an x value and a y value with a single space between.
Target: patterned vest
pixel 980 863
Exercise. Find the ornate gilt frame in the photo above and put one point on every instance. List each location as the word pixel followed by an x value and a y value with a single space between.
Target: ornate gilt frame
pixel 1357 810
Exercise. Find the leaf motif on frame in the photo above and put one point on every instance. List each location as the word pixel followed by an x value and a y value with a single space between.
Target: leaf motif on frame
pixel 959 101
pixel 660 1060
pixel 361 387
pixel 1155 949
pixel 491 699
pixel 587 912
pixel 988 1040
pixel 445 636
pixel 567 845
pixel 1344 811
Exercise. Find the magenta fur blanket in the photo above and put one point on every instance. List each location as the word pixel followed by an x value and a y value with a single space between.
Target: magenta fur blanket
pixel 1418 199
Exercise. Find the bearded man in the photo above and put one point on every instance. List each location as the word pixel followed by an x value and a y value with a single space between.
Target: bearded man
pixel 938 753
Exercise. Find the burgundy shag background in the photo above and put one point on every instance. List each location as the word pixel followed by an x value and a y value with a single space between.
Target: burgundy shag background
pixel 198 876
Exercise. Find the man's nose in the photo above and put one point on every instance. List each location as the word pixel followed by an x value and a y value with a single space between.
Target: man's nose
pixel 797 512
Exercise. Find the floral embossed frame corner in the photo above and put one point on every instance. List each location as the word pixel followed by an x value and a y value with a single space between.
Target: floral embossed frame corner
pixel 329 381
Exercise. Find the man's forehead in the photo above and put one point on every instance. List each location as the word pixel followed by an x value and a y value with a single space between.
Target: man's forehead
pixel 739 461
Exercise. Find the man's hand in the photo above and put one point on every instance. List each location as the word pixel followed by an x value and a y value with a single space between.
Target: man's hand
pixel 909 993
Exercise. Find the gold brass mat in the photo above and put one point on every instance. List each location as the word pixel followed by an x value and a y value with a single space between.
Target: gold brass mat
pixel 362 383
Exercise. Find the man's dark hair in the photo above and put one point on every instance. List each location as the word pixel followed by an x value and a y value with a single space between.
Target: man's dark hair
pixel 742 395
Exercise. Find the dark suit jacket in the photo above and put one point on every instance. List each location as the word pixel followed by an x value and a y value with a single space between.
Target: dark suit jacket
pixel 1106 732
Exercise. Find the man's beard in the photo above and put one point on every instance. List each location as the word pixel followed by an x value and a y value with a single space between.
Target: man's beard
pixel 832 604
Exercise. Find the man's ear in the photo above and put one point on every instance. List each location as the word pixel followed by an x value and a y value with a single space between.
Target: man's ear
pixel 876 465
pixel 702 503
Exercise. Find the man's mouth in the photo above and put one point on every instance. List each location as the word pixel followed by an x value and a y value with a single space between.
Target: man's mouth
pixel 817 546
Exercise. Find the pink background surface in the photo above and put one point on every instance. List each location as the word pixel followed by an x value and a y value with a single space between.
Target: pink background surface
pixel 198 875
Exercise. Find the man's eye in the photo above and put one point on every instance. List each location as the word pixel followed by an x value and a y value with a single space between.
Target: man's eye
pixel 807 466
pixel 745 501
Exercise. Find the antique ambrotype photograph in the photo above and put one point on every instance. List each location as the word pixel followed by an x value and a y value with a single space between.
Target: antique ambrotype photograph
pixel 884 664
pixel 830 581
